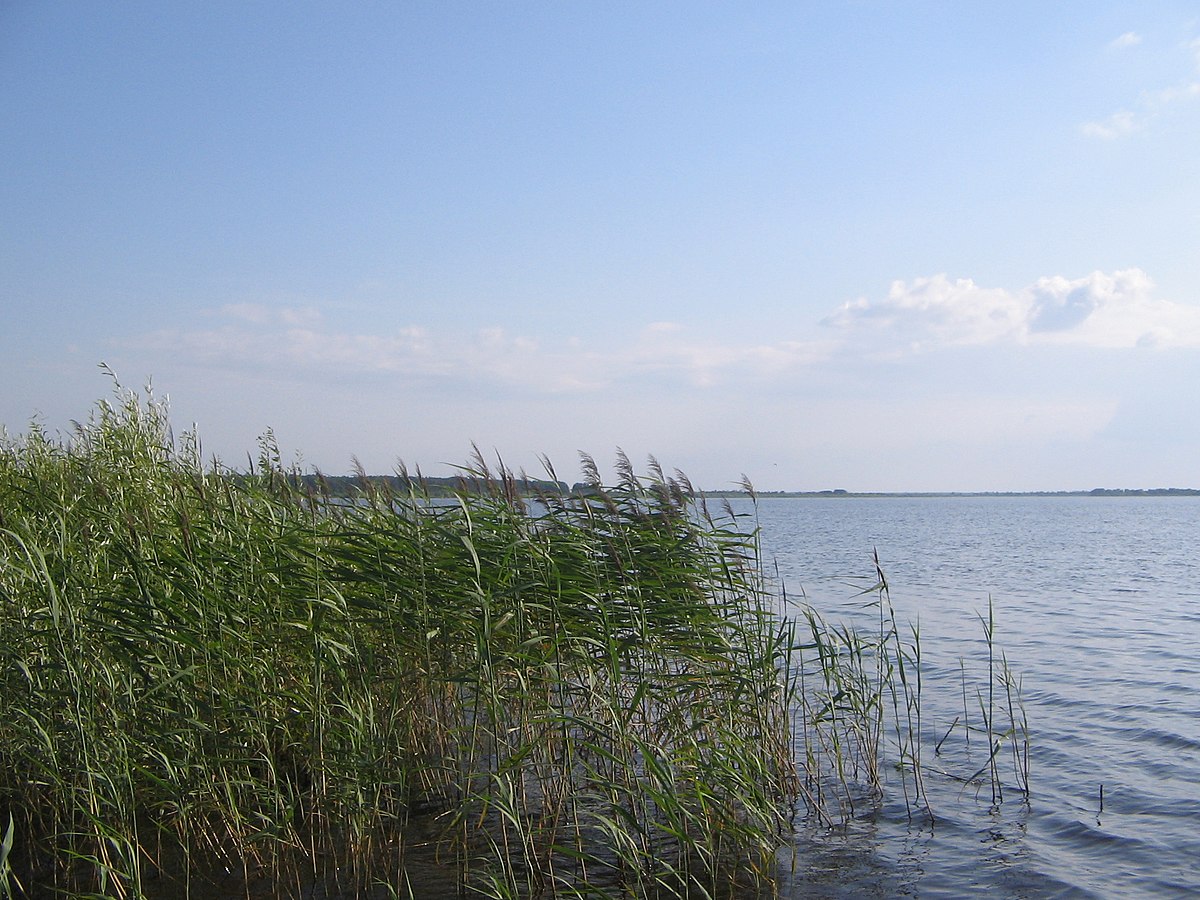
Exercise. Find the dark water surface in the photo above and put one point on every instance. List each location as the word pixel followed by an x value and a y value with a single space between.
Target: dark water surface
pixel 1097 607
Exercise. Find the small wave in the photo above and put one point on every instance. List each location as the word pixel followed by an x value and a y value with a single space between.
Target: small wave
pixel 1168 740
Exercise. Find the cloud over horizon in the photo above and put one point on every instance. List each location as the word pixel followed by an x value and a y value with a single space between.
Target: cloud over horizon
pixel 1106 311
pixel 1100 311
pixel 300 343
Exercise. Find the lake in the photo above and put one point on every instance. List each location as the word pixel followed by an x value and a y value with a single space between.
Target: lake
pixel 1097 608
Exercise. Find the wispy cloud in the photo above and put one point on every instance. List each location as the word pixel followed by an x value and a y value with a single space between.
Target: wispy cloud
pixel 1150 103
pixel 1128 39
pixel 264 314
pixel 301 343
pixel 1119 124
pixel 669 348
pixel 1099 310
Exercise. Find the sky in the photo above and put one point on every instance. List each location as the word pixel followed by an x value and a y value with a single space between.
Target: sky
pixel 848 245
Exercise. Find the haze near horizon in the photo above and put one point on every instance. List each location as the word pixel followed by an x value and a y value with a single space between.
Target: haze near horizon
pixel 903 248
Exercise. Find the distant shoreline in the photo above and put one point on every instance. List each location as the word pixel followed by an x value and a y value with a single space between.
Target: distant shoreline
pixel 444 486
pixel 1095 492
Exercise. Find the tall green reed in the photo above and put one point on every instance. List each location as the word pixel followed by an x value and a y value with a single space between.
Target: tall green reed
pixel 233 682
pixel 214 679
pixel 859 715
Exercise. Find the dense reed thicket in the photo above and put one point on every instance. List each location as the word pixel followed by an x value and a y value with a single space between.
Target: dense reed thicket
pixel 229 684
pixel 218 677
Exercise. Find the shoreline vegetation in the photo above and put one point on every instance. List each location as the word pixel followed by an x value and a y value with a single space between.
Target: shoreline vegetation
pixel 351 486
pixel 218 684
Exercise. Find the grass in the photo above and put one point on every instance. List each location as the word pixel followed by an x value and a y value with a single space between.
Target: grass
pixel 219 684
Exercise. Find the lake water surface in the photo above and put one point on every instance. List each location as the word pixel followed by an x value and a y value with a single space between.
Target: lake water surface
pixel 1097 606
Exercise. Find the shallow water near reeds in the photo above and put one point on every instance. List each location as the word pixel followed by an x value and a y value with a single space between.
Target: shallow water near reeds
pixel 1097 608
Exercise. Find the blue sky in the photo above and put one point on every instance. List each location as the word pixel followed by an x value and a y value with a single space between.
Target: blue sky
pixel 920 246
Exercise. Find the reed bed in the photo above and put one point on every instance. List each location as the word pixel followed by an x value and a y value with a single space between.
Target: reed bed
pixel 224 682
pixel 230 684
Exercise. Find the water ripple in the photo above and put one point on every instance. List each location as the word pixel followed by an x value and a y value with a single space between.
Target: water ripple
pixel 1097 606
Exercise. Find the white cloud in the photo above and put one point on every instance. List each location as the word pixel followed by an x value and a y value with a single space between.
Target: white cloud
pixel 1158 100
pixel 667 348
pixel 1100 310
pixel 936 309
pixel 1117 125
pixel 262 314
pixel 1150 103
pixel 300 343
